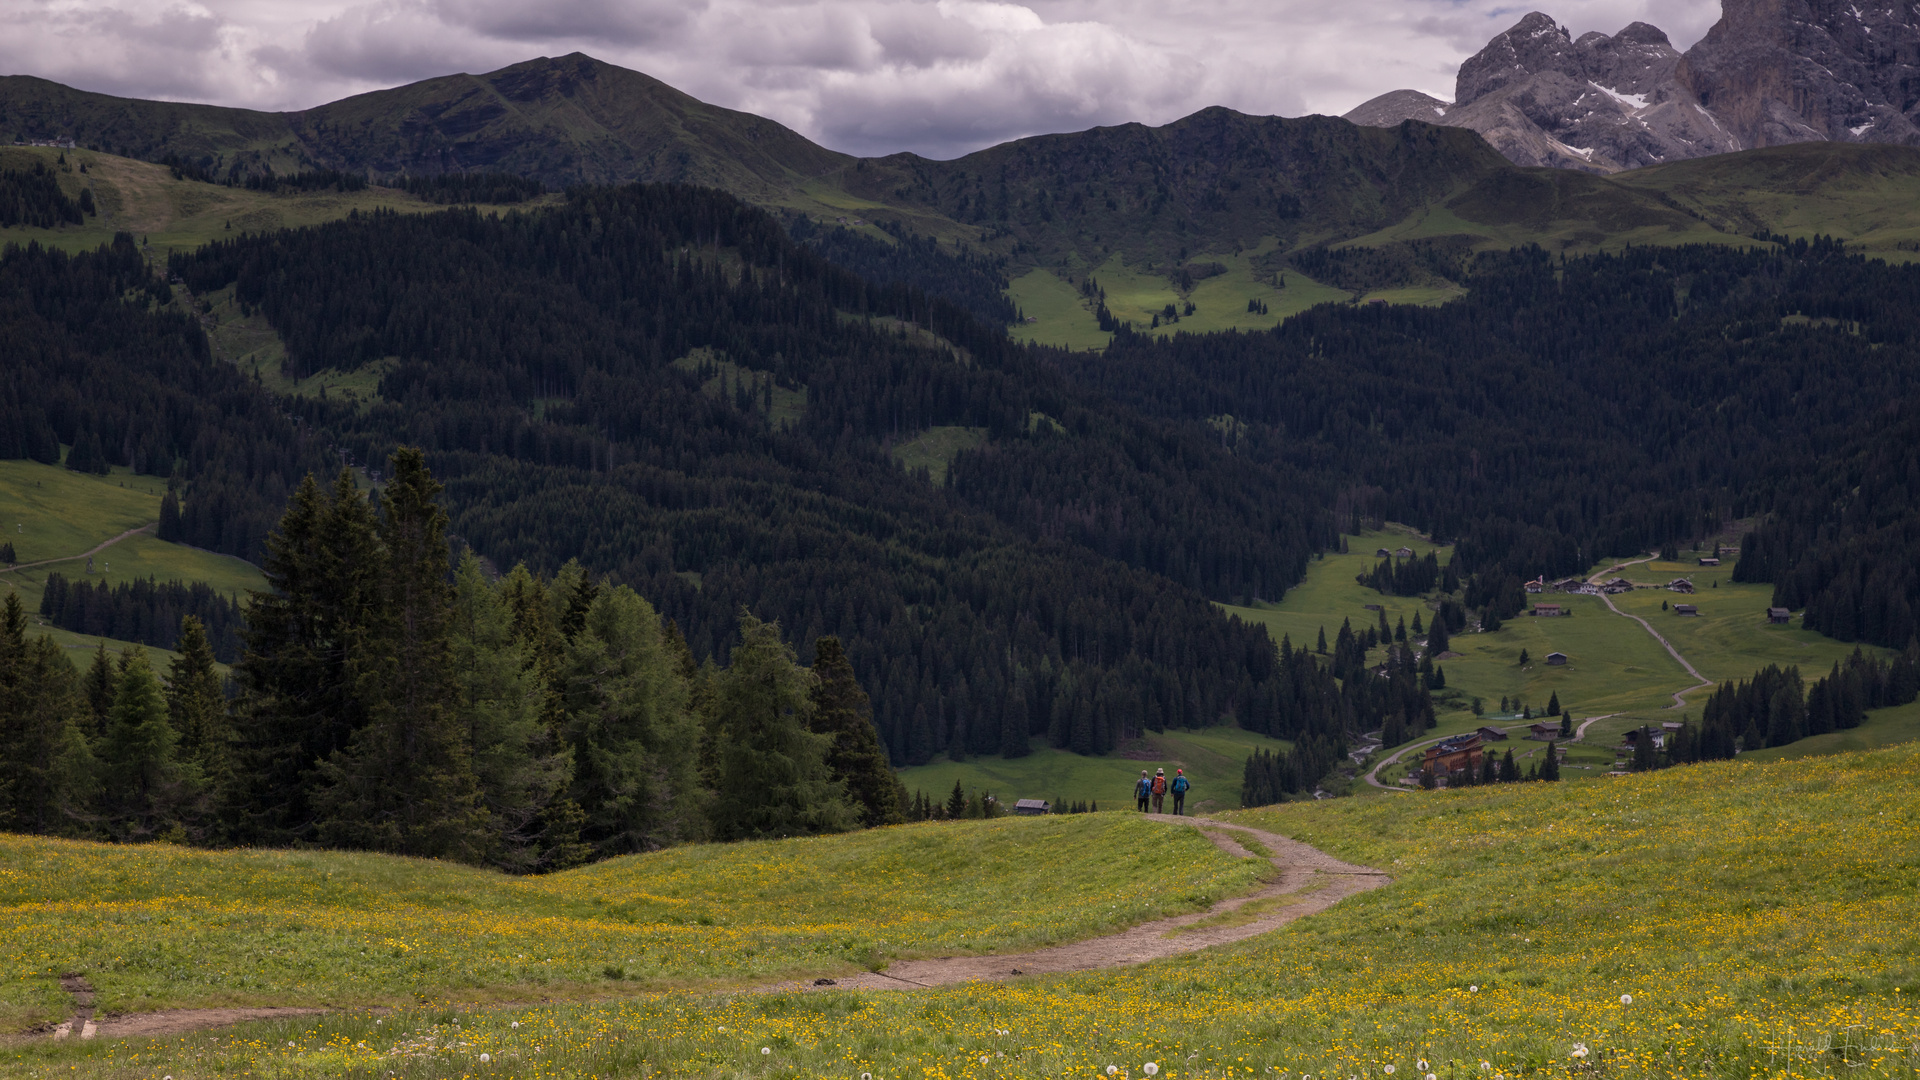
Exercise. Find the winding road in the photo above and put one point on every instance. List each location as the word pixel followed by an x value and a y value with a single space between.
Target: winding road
pixel 1679 699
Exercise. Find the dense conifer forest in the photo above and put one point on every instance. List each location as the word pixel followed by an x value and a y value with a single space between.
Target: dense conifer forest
pixel 658 393
pixel 1566 411
pixel 1055 587
pixel 148 612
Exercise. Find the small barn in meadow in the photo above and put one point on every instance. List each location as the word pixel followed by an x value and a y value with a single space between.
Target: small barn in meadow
pixel 1557 659
pixel 1685 609
pixel 1549 610
pixel 1779 616
pixel 1493 734
pixel 1030 807
pixel 1680 584
pixel 1709 560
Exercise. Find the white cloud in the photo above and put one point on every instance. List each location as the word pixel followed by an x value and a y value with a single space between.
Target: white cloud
pixel 868 76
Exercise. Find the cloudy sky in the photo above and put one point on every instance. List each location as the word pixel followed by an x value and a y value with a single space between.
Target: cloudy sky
pixel 940 77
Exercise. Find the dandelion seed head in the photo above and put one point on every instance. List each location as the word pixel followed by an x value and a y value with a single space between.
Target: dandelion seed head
pixel 484 1058
pixel 1113 1070
pixel 1626 999
pixel 1150 1068
pixel 1388 1069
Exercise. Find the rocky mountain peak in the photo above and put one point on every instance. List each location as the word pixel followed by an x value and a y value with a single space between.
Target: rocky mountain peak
pixel 1769 72
pixel 1533 45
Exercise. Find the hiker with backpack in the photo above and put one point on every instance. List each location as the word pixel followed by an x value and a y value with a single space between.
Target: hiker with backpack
pixel 1159 789
pixel 1179 789
pixel 1142 790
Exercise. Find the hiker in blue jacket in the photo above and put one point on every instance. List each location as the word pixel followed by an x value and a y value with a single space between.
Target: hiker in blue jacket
pixel 1143 790
pixel 1179 789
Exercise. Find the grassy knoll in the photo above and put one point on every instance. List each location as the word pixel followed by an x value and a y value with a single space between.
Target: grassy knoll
pixel 51 513
pixel 1136 292
pixel 1730 920
pixel 156 926
pixel 1614 666
pixel 1213 757
pixel 782 406
pixel 179 215
pixel 934 449
pixel 47 512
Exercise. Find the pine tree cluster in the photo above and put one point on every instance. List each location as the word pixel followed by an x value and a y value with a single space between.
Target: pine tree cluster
pixel 391 701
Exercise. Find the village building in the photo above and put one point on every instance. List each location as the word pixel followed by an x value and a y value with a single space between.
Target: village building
pixel 1779 616
pixel 1615 586
pixel 1030 807
pixel 1556 659
pixel 1544 729
pixel 1685 609
pixel 1458 754
pixel 1405 553
pixel 1709 560
pixel 1548 610
pixel 1680 584
pixel 1538 584
pixel 1384 553
pixel 1493 734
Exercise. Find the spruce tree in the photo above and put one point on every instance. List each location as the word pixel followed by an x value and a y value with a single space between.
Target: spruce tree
pixel 195 704
pixel 841 710
pixel 1550 768
pixel 299 673
pixel 45 763
pixel 957 801
pixel 1566 724
pixel 147 790
pixel 405 783
pixel 1553 704
pixel 1437 641
pixel 519 764
pixel 101 683
pixel 1014 730
pixel 642 762
pixel 772 772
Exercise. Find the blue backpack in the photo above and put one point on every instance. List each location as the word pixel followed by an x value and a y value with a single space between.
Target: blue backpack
pixel 1179 784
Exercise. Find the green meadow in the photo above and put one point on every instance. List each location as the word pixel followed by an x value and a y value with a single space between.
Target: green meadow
pixel 169 215
pixel 157 926
pixel 1720 921
pixel 50 513
pixel 1615 669
pixel 934 449
pixel 1214 759
pixel 1063 317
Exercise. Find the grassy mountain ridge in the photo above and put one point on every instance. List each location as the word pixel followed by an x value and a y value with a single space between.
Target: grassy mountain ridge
pixel 566 120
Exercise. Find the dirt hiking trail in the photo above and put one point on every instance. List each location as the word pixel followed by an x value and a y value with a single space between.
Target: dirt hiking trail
pixel 1309 881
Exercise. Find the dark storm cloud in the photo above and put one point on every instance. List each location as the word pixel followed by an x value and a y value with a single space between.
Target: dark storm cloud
pixel 868 76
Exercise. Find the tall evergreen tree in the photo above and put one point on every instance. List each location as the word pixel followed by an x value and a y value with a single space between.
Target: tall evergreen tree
pixel 405 782
pixel 841 711
pixel 519 763
pixel 147 790
pixel 102 682
pixel 629 721
pixel 301 704
pixel 1015 729
pixel 45 765
pixel 197 708
pixel 771 772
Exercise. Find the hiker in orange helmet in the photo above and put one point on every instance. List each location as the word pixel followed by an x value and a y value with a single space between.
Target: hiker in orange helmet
pixel 1179 789
pixel 1159 789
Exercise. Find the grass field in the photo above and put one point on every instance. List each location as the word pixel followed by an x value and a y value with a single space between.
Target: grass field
pixel 1136 293
pixel 1213 757
pixel 1733 920
pixel 934 449
pixel 179 215
pixel 157 926
pixel 51 513
pixel 1614 666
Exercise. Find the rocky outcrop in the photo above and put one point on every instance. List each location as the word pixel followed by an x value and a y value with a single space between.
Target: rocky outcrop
pixel 1770 72
pixel 1786 71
